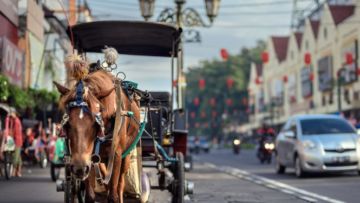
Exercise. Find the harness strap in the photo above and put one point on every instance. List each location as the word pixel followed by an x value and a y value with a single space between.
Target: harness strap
pixel 119 122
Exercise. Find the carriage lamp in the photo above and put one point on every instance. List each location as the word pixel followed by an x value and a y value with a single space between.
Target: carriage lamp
pixel 212 9
pixel 147 8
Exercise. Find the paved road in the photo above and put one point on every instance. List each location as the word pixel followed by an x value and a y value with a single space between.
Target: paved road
pixel 344 187
pixel 211 186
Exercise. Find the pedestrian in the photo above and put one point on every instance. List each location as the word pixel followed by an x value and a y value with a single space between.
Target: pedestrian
pixel 13 127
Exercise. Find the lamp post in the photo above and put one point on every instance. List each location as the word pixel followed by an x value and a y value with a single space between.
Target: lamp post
pixel 182 17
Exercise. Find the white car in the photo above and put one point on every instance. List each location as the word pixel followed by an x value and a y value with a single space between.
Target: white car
pixel 317 143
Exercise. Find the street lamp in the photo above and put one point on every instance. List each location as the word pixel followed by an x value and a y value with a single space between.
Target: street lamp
pixel 212 9
pixel 147 8
pixel 187 17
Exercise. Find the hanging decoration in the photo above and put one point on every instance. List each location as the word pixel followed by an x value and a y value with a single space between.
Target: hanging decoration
pixel 213 114
pixel 311 76
pixel 229 102
pixel 265 57
pixel 258 80
pixel 196 101
pixel 203 114
pixel 202 84
pixel 285 79
pixel 229 82
pixel 224 54
pixel 212 102
pixel 307 58
pixel 192 115
pixel 349 58
pixel 174 83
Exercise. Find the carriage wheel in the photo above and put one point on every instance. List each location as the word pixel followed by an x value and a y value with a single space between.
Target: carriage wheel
pixel 8 165
pixel 74 193
pixel 54 172
pixel 179 182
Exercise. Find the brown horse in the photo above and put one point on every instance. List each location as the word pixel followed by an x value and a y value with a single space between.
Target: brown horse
pixel 100 96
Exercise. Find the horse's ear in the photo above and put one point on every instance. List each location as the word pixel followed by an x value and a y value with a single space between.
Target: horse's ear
pixel 105 93
pixel 63 90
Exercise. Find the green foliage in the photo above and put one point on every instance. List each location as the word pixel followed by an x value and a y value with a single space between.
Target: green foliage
pixel 20 98
pixel 215 73
pixel 31 98
pixel 4 88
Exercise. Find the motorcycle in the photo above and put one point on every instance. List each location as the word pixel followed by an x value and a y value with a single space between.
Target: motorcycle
pixel 265 151
pixel 236 146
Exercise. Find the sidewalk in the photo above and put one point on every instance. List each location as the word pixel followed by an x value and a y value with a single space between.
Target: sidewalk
pixel 212 186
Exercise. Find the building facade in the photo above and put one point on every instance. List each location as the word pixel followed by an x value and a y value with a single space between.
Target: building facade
pixel 312 71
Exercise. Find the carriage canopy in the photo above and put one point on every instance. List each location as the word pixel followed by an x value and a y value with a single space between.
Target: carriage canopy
pixel 127 37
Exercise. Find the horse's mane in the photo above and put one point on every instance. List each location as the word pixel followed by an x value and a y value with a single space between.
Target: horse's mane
pixel 95 84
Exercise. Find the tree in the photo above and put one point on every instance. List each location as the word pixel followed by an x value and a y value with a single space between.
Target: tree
pixel 215 73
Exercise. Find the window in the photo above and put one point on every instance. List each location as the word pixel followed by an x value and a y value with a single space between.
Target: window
pixel 306 44
pixel 323 126
pixel 325 33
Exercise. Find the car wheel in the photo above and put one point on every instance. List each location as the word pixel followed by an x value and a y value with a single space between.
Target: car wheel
pixel 359 173
pixel 280 169
pixel 298 168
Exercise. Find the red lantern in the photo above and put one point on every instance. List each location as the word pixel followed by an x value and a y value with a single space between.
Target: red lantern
pixel 349 58
pixel 212 102
pixel 174 83
pixel 197 125
pixel 257 81
pixel 358 71
pixel 192 114
pixel 244 101
pixel 265 57
pixel 214 114
pixel 229 82
pixel 285 79
pixel 224 54
pixel 307 58
pixel 201 84
pixel 196 101
pixel 311 76
pixel 203 114
pixel 229 102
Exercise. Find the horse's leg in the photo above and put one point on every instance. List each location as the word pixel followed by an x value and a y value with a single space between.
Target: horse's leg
pixel 89 187
pixel 113 185
pixel 124 168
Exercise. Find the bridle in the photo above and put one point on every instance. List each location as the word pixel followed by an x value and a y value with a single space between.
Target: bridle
pixel 84 108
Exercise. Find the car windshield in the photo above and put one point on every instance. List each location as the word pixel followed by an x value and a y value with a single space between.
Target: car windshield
pixel 325 126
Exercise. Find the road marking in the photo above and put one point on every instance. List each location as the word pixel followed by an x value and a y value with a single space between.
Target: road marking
pixel 273 184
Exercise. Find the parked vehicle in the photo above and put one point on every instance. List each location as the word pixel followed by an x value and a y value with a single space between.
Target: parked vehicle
pixel 198 145
pixel 317 143
pixel 236 145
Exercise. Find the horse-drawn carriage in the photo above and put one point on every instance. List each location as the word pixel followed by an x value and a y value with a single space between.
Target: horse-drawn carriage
pixel 113 130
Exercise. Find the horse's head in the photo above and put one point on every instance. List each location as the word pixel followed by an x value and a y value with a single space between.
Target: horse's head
pixel 82 127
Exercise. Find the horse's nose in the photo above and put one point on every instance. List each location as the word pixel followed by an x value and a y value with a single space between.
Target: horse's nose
pixel 80 171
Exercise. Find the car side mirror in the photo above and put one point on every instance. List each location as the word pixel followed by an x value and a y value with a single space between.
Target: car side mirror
pixel 289 134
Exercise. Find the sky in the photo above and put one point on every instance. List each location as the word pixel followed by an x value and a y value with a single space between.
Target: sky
pixel 240 23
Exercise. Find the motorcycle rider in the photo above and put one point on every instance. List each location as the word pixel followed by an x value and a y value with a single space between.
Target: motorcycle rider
pixel 265 133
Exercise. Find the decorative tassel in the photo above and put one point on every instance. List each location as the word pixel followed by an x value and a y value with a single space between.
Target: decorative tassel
pixel 77 67
pixel 111 55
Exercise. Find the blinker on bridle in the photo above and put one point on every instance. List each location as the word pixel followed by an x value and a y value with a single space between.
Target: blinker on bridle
pixel 84 107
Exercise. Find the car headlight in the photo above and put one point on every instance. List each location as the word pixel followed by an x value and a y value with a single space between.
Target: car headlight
pixel 236 142
pixel 309 144
pixel 269 146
